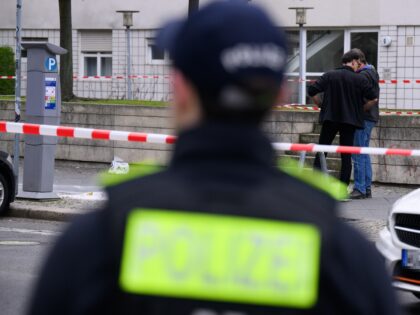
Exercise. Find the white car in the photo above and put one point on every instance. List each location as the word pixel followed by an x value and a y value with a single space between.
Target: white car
pixel 399 243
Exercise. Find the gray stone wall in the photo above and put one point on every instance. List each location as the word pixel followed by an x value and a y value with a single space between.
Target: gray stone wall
pixel 280 126
pixel 113 117
pixel 397 132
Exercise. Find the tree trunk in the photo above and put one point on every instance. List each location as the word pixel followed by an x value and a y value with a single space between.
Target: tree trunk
pixel 192 6
pixel 66 61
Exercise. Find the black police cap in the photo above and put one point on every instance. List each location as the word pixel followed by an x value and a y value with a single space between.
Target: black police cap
pixel 224 49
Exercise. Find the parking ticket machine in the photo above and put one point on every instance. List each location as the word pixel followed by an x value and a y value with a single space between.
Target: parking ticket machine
pixel 43 106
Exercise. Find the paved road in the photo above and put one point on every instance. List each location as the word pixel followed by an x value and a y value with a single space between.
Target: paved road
pixel 370 215
pixel 23 245
pixel 376 208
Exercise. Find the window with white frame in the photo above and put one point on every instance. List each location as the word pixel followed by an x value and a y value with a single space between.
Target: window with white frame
pixel 156 55
pixel 96 53
pixel 97 64
pixel 324 49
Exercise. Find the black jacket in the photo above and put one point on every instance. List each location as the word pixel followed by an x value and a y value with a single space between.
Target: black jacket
pixel 216 169
pixel 372 76
pixel 344 94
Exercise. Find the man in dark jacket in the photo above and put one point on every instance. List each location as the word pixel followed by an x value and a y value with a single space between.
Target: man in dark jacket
pixel 342 109
pixel 221 230
pixel 362 164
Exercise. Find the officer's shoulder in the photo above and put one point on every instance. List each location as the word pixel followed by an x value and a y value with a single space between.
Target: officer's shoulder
pixel 136 178
pixel 304 189
pixel 138 184
pixel 136 171
pixel 306 200
pixel 312 181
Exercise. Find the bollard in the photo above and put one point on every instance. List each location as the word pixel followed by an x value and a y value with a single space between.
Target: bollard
pixel 323 161
pixel 302 158
pixel 43 106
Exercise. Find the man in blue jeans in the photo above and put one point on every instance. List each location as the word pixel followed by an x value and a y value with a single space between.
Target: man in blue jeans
pixel 362 164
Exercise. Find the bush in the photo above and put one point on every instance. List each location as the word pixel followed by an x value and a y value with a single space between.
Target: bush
pixel 7 67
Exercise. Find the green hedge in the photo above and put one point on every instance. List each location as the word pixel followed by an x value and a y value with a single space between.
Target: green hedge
pixel 7 67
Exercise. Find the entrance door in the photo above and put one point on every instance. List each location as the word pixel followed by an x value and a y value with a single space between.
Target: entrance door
pixel 366 40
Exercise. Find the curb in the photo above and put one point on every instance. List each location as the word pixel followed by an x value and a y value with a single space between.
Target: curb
pixel 43 212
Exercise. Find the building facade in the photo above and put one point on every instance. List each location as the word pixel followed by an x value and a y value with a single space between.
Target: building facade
pixel 389 34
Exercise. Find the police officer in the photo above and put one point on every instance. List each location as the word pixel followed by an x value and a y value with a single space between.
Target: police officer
pixel 221 230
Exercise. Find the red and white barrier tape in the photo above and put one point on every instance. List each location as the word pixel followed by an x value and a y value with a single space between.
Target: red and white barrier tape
pixel 152 76
pixel 299 106
pixel 166 77
pixel 317 109
pixel 344 149
pixel 393 81
pixel 100 134
pixel 404 81
pixel 84 133
pixel 121 77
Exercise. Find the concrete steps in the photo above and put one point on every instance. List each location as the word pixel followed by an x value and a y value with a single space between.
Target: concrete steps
pixel 314 138
pixel 333 164
pixel 333 159
pixel 312 154
pixel 317 128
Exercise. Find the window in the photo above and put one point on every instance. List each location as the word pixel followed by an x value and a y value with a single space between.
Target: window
pixel 91 66
pixel 97 64
pixel 293 44
pixel 324 49
pixel 155 54
pixel 96 53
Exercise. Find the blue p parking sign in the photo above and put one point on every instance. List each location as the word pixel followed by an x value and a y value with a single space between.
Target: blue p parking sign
pixel 51 64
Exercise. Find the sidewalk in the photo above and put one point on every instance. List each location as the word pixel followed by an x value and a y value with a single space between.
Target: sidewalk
pixel 77 186
pixel 370 215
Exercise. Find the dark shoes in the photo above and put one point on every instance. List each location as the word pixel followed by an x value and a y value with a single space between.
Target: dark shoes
pixel 355 194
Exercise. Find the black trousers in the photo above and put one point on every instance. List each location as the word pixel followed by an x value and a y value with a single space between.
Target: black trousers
pixel 328 132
